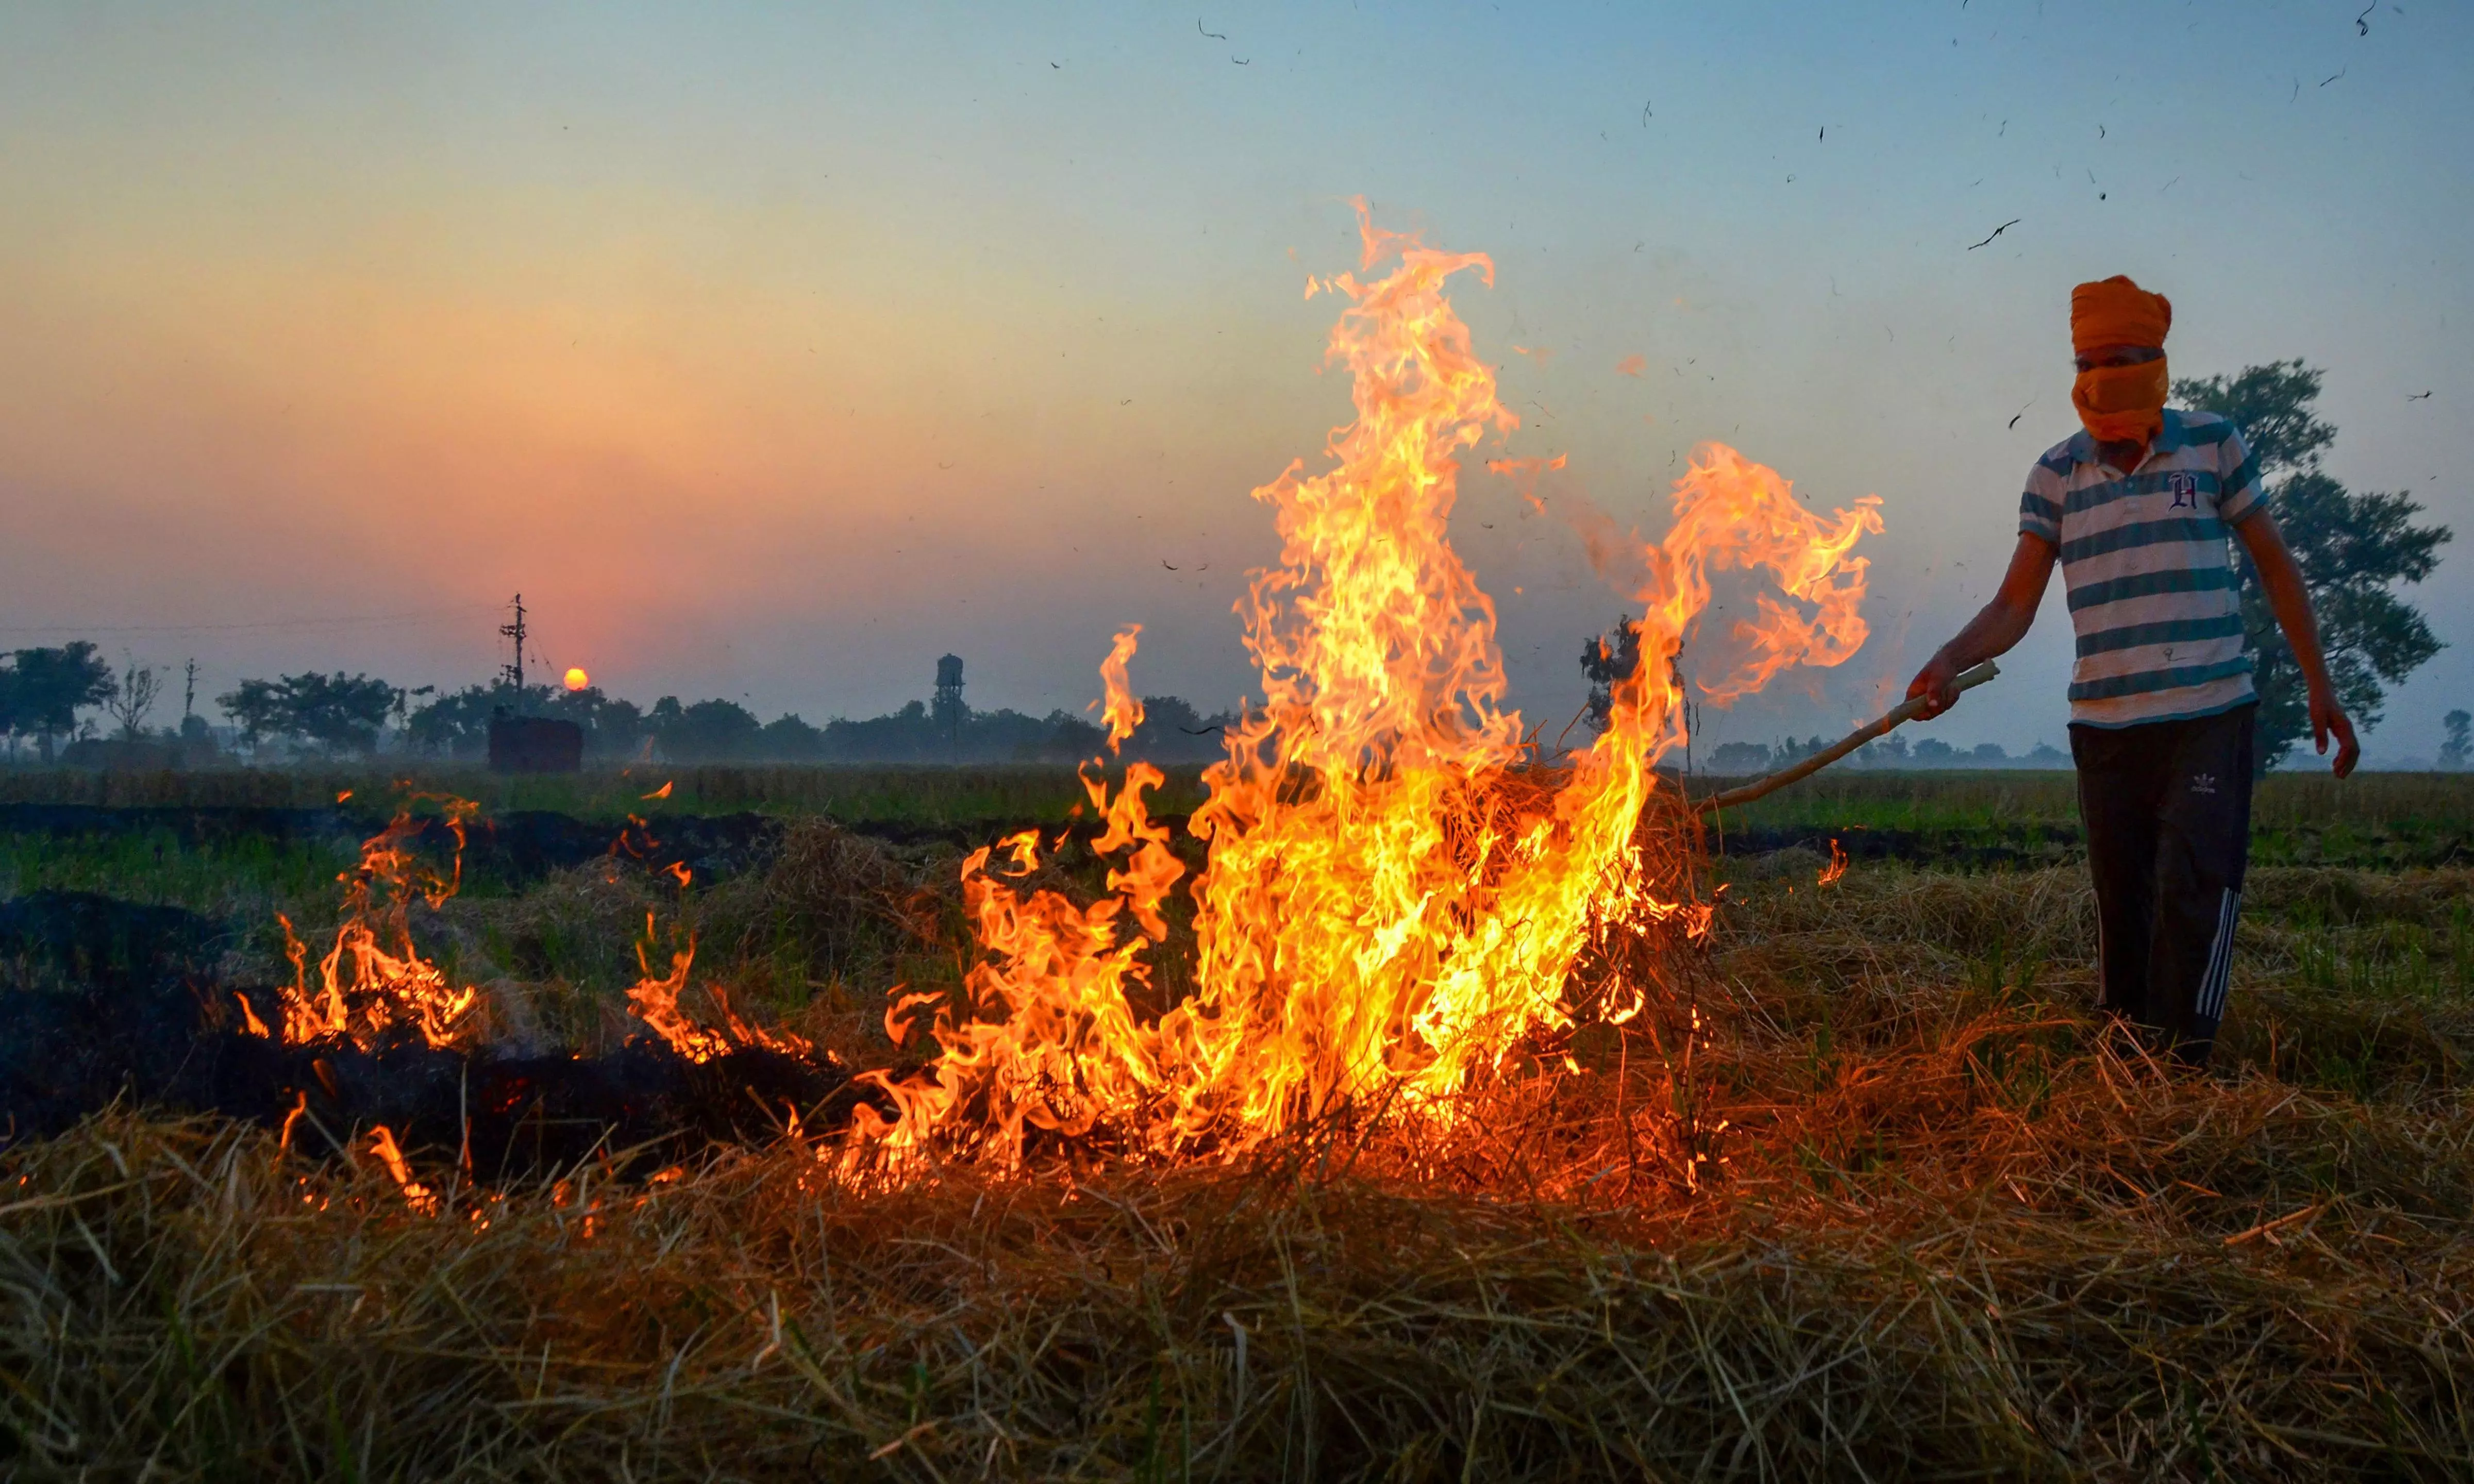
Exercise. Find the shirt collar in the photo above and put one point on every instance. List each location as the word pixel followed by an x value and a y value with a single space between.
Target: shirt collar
pixel 2168 439
pixel 2171 437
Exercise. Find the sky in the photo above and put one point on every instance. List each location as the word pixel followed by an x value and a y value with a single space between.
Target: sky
pixel 772 351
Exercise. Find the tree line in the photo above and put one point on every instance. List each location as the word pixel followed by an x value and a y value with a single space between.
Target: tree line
pixel 43 690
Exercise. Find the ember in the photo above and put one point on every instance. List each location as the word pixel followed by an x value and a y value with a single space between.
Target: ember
pixel 1397 889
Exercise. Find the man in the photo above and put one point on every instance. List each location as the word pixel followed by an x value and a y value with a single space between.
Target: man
pixel 2137 507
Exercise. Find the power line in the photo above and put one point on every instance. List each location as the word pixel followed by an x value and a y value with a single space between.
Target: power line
pixel 362 620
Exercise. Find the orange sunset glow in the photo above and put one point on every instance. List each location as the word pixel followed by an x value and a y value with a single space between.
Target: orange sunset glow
pixel 781 391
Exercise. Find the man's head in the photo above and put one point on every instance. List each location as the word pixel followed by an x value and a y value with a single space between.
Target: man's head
pixel 2118 340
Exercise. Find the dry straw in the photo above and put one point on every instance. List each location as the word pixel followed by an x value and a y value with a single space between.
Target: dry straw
pixel 1867 1195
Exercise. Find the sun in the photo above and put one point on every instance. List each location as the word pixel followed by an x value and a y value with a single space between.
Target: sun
pixel 577 680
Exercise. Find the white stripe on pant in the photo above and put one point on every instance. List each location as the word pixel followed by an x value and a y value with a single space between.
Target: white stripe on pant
pixel 2218 979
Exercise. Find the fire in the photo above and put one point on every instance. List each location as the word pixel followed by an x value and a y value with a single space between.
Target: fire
pixel 375 985
pixel 1837 867
pixel 655 1000
pixel 373 980
pixel 575 678
pixel 1396 889
pixel 418 1196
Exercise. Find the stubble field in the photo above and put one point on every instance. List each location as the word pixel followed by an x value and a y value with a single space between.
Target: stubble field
pixel 1869 1193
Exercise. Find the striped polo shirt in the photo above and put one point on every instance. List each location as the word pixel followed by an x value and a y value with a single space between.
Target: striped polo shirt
pixel 2145 564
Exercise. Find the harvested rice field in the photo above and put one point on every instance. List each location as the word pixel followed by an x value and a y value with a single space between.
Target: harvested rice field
pixel 1862 1188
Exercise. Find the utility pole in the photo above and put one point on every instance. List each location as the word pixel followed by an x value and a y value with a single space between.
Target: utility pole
pixel 514 674
pixel 190 691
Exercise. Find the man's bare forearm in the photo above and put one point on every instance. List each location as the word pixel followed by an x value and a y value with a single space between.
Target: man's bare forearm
pixel 2002 623
pixel 2290 602
pixel 2005 620
pixel 2288 598
pixel 1990 633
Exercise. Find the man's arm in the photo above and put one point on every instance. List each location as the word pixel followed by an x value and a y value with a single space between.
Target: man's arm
pixel 2282 580
pixel 2003 623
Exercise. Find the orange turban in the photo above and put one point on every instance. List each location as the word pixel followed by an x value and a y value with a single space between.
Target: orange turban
pixel 2117 312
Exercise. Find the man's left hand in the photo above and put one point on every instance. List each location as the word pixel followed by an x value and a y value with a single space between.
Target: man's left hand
pixel 2328 718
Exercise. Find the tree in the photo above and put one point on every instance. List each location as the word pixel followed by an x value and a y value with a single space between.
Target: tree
pixel 133 697
pixel 1890 752
pixel 337 712
pixel 2351 549
pixel 707 731
pixel 2457 743
pixel 256 709
pixel 789 738
pixel 9 703
pixel 51 684
pixel 1740 759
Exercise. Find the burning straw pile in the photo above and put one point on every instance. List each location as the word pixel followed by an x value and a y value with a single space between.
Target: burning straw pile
pixel 1431 1121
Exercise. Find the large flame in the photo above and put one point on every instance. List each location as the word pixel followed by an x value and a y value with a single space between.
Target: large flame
pixel 1394 893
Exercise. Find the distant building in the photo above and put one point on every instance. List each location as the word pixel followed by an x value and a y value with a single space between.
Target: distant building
pixel 534 744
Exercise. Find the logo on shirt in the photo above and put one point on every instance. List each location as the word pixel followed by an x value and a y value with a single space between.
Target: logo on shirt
pixel 2185 488
pixel 2203 782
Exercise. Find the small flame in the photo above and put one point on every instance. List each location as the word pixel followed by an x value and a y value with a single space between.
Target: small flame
pixel 654 999
pixel 1837 867
pixel 662 792
pixel 374 981
pixel 415 1195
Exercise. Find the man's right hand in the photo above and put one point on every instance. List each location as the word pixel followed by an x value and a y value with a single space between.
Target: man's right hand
pixel 1935 682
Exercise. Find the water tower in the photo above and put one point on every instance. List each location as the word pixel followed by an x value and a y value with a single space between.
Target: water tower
pixel 947 708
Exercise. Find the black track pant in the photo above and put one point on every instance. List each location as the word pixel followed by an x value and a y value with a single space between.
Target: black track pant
pixel 2166 807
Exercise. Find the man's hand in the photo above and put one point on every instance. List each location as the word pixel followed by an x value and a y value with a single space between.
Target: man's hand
pixel 1934 683
pixel 2328 717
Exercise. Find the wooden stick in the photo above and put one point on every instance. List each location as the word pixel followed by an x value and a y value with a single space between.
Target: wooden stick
pixel 1905 712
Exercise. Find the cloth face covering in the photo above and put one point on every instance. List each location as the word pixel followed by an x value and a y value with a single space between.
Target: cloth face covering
pixel 2119 403
pixel 2122 403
